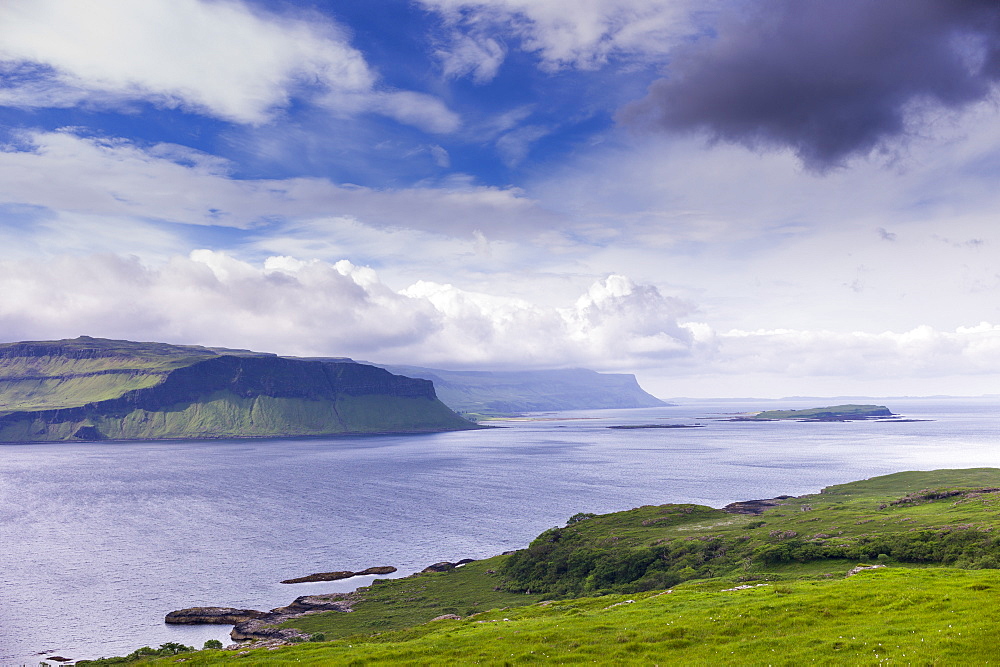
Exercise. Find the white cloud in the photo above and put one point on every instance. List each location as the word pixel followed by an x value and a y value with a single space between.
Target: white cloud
pixel 312 307
pixel 221 58
pixel 479 57
pixel 417 109
pixel 112 177
pixel 565 33
pixel 515 145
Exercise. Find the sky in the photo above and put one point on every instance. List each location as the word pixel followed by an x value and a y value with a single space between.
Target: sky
pixel 724 197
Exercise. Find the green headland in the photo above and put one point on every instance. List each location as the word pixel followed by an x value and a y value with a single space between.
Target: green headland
pixel 755 583
pixel 97 389
pixel 500 393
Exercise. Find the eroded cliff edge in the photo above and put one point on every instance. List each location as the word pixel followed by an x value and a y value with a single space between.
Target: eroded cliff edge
pixel 97 389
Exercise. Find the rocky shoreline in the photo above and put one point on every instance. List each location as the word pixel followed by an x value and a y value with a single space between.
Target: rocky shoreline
pixel 253 626
pixel 258 629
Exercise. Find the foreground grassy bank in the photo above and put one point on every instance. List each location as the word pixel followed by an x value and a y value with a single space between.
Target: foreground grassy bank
pixel 594 589
pixel 919 616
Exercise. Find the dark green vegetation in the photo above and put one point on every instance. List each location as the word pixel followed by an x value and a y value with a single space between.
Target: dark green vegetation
pixel 597 587
pixel 489 393
pixel 943 518
pixel 95 389
pixel 832 413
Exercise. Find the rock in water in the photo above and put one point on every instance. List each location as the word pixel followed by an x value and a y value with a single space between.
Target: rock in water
pixel 212 615
pixel 343 574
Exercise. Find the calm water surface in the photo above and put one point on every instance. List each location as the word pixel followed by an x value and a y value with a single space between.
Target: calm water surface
pixel 99 541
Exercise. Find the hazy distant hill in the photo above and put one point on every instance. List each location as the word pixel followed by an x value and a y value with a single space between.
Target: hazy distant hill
pixel 499 392
pixel 95 389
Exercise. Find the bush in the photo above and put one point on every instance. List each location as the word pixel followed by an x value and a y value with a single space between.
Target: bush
pixel 212 644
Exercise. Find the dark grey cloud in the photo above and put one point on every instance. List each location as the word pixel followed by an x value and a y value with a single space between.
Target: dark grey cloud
pixel 829 80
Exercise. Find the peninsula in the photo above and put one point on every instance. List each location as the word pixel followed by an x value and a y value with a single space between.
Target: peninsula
pixel 98 389
pixel 503 393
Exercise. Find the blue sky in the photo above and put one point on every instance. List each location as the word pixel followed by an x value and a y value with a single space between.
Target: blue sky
pixel 725 197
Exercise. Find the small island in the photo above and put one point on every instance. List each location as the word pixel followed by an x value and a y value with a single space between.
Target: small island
pixel 634 426
pixel 835 413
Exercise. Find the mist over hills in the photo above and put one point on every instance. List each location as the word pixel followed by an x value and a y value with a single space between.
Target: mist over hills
pixel 502 392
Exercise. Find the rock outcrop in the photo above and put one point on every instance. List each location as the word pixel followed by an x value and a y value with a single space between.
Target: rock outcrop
pixel 265 626
pixel 212 615
pixel 755 507
pixel 343 574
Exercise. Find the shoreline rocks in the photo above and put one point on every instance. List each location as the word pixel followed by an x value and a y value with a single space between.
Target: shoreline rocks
pixel 755 507
pixel 342 574
pixel 263 627
pixel 445 566
pixel 211 615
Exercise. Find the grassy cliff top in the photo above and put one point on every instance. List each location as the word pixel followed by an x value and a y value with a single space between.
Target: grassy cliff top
pixel 42 375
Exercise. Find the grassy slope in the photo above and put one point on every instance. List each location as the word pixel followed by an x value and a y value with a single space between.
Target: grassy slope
pixel 802 611
pixel 658 546
pixel 925 617
pixel 395 604
pixel 225 415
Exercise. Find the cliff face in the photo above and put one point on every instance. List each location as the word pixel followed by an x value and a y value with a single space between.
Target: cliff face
pixel 93 389
pixel 492 392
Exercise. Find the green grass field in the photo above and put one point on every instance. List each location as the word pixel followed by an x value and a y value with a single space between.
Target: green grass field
pixel 934 602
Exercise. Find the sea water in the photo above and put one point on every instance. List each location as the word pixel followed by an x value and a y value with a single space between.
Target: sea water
pixel 98 541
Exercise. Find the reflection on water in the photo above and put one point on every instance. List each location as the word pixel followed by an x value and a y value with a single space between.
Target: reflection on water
pixel 98 541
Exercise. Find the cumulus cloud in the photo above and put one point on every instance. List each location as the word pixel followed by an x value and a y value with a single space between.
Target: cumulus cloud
pixel 312 307
pixel 583 34
pixel 223 58
pixel 829 81
pixel 96 176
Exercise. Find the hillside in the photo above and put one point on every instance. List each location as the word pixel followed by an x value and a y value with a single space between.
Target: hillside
pixel 758 582
pixel 95 389
pixel 510 392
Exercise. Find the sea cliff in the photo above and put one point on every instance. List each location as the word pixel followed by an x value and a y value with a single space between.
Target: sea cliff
pixel 96 389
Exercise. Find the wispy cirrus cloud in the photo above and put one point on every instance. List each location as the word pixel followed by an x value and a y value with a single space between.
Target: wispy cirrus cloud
pixel 583 34
pixel 63 171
